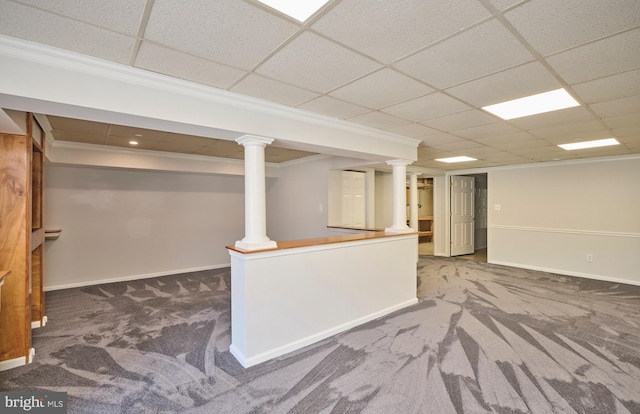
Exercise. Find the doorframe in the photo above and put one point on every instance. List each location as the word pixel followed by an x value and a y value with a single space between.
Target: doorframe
pixel 447 207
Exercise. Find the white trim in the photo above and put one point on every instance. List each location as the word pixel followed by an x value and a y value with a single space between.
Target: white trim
pixel 343 136
pixel 18 362
pixel 567 273
pixel 566 231
pixel 134 277
pixel 295 345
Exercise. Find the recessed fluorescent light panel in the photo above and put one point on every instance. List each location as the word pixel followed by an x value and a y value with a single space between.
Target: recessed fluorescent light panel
pixel 300 10
pixel 589 144
pixel 533 105
pixel 456 159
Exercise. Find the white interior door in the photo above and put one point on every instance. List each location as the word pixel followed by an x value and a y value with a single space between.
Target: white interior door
pixel 354 208
pixel 462 212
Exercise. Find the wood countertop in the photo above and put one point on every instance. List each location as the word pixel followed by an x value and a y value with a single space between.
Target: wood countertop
pixel 292 244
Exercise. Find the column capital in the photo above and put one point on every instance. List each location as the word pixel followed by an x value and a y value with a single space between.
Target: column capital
pixel 254 140
pixel 399 163
pixel 413 173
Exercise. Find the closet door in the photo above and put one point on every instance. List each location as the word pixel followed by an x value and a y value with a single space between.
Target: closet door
pixel 353 193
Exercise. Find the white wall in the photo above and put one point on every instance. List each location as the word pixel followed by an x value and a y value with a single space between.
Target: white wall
pixel 123 224
pixel 552 215
pixel 383 200
pixel 298 201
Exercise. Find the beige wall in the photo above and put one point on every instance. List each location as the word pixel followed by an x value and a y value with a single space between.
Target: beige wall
pixel 552 216
pixel 122 224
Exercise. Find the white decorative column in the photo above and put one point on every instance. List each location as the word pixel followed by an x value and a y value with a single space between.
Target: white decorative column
pixel 399 197
pixel 255 212
pixel 413 200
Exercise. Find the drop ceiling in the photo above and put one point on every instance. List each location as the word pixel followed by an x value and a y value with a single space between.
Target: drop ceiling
pixel 417 68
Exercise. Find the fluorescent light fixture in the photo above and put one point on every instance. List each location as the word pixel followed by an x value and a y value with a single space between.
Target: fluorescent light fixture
pixel 133 142
pixel 456 159
pixel 532 105
pixel 300 10
pixel 589 144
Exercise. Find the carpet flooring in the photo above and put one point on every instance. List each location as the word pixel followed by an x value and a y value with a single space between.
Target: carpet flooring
pixel 482 339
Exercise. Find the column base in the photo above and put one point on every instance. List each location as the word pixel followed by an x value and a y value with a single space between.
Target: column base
pixel 393 230
pixel 256 245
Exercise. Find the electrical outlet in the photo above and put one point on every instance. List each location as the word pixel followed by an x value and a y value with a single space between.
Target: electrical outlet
pixel 589 257
pixel 496 207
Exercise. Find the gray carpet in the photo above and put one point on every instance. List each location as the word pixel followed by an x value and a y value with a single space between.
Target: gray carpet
pixel 483 338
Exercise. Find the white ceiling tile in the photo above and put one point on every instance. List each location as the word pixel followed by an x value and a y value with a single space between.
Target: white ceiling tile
pixel 425 153
pixel 427 107
pixel 317 64
pixel 227 31
pixel 609 87
pixel 632 143
pixel 602 58
pixel 386 30
pixel 486 131
pixel 579 137
pixel 504 4
pixel 623 121
pixel 524 80
pixel 141 134
pixel 476 52
pixel 500 156
pixel 378 120
pixel 509 145
pixel 483 152
pixel 621 106
pixel 459 146
pixel 553 156
pixel 554 25
pixel 564 116
pixel 170 62
pixel 439 139
pixel 509 140
pixel 77 125
pixel 541 150
pixel 123 16
pixel 604 151
pixel 334 107
pixel 54 30
pixel 632 131
pixel 264 88
pixel 563 130
pixel 380 89
pixel 413 130
pixel 460 120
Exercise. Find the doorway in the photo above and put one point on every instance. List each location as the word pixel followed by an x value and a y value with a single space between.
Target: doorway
pixel 468 225
pixel 425 216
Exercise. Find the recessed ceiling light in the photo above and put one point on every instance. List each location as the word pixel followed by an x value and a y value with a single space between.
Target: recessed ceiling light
pixel 133 142
pixel 456 159
pixel 589 144
pixel 533 105
pixel 300 10
pixel 138 135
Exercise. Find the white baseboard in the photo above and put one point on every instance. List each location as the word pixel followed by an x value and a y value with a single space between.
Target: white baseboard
pixel 134 277
pixel 569 273
pixel 18 362
pixel 301 343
